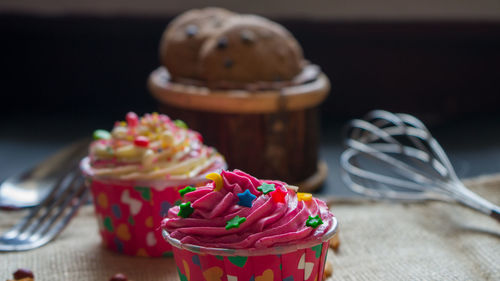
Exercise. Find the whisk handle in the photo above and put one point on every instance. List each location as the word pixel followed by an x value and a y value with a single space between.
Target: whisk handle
pixel 476 202
pixel 496 215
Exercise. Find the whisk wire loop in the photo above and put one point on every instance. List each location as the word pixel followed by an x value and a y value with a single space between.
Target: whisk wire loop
pixel 395 156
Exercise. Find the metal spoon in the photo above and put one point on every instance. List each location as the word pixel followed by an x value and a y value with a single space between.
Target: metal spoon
pixel 29 188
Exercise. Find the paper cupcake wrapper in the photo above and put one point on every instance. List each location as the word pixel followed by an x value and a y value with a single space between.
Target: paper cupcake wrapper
pixel 300 265
pixel 129 217
pixel 296 262
pixel 129 213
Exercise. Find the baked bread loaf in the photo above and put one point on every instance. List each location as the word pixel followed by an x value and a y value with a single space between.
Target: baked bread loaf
pixel 250 48
pixel 220 48
pixel 182 40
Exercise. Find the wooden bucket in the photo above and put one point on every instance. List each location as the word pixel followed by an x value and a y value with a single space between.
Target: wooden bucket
pixel 269 134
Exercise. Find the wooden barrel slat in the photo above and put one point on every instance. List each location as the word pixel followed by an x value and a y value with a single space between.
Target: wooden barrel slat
pixel 279 145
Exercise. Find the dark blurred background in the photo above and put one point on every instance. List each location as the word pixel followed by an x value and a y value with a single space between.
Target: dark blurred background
pixel 69 67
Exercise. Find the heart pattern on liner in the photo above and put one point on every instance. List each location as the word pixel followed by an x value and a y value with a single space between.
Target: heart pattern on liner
pixel 186 270
pixel 123 232
pixel 150 239
pixel 238 260
pixel 196 260
pixel 267 275
pixel 213 274
pixel 134 204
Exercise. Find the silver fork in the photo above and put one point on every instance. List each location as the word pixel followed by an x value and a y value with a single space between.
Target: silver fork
pixel 29 188
pixel 44 222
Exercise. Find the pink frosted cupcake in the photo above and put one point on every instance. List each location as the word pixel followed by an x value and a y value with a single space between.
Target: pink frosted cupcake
pixel 241 228
pixel 135 174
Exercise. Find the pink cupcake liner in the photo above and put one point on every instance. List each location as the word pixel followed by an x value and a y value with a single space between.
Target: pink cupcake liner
pixel 301 262
pixel 300 265
pixel 129 214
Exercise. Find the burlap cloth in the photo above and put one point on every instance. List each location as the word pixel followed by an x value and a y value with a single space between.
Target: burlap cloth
pixel 379 241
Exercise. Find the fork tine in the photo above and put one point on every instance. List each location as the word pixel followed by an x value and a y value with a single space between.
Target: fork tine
pixel 36 230
pixel 83 193
pixel 25 245
pixel 73 192
pixel 59 223
pixel 24 222
pixel 41 214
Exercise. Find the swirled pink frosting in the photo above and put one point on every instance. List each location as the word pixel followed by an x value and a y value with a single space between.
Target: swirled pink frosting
pixel 268 223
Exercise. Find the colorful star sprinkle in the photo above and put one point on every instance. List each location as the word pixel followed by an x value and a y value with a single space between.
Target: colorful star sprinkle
pixel 217 178
pixel 246 198
pixel 302 196
pixel 101 135
pixel 278 195
pixel 181 124
pixel 186 189
pixel 185 210
pixel 314 221
pixel 235 222
pixel 266 188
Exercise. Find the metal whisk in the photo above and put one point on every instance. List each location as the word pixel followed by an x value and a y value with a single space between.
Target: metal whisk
pixel 395 156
